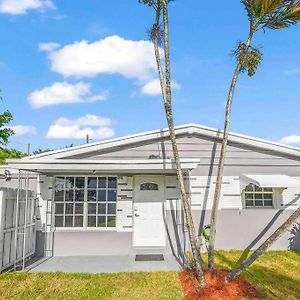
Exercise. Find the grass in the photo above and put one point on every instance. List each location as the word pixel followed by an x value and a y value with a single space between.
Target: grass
pixel 277 273
pixel 147 286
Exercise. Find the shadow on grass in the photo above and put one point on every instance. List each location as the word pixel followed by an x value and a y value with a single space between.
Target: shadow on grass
pixel 274 284
pixel 293 243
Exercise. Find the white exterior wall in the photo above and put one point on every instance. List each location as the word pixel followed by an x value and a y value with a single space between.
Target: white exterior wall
pixel 201 190
pixel 45 217
pixel 125 204
pixel 291 197
pixel 239 226
pixel 44 194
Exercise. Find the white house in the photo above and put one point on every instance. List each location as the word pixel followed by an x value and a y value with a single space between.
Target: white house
pixel 121 196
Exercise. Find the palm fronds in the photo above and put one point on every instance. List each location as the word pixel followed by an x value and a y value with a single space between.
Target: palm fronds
pixel 272 14
pixel 156 4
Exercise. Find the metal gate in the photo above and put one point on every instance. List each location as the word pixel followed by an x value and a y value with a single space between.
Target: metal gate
pixel 18 209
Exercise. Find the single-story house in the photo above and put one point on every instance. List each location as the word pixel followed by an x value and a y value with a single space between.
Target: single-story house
pixel 121 196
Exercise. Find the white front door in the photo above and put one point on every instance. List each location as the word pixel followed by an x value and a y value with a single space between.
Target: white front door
pixel 149 227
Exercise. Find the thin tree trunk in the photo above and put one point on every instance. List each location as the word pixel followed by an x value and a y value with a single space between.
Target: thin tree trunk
pixel 167 96
pixel 217 194
pixel 263 248
pixel 157 55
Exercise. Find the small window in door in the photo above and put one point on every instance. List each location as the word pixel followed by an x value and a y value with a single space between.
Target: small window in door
pixel 149 186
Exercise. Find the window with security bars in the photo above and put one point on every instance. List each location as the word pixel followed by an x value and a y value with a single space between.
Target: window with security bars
pixel 258 197
pixel 85 201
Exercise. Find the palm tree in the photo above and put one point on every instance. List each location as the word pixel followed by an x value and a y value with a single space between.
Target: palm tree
pixel 157 35
pixel 262 14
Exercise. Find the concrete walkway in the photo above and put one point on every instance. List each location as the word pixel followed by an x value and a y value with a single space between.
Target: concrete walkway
pixel 102 264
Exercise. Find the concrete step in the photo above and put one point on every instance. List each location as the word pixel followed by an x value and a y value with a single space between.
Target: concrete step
pixel 148 250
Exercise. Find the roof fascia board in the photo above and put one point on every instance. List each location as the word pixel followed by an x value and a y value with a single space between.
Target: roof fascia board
pixel 141 139
pixel 85 165
pixel 112 161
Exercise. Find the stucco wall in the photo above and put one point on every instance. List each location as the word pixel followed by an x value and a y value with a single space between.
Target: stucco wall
pixel 91 243
pixel 13 182
pixel 247 229
pixel 237 229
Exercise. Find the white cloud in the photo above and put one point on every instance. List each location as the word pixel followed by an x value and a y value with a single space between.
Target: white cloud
pixel 87 120
pixel 48 47
pixel 23 130
pixel 111 55
pixel 98 129
pixel 20 7
pixel 153 87
pixel 291 139
pixel 64 93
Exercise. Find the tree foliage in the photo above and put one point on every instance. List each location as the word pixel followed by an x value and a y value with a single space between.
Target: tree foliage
pixel 272 14
pixel 5 133
pixel 10 153
pixel 264 14
pixel 40 151
pixel 156 4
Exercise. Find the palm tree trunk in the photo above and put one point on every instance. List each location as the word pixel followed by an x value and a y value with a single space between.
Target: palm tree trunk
pixel 167 96
pixel 217 194
pixel 263 248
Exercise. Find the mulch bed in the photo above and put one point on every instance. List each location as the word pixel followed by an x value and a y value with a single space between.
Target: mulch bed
pixel 216 288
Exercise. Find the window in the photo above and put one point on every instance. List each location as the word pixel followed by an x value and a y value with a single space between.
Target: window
pixel 256 196
pixel 69 201
pixel 149 186
pixel 81 201
pixel 102 201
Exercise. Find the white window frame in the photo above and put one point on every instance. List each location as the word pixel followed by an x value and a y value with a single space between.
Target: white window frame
pixel 274 199
pixel 85 205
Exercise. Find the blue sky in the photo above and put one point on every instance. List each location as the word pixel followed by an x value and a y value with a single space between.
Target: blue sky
pixel 68 68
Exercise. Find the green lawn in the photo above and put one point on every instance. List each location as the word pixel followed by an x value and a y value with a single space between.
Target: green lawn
pixel 146 286
pixel 276 273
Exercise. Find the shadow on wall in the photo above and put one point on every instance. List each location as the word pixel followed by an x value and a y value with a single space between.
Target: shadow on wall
pixel 294 240
pixel 208 185
pixel 261 235
pixel 176 235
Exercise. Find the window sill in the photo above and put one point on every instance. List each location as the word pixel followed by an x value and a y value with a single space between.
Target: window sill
pixel 78 229
pixel 253 207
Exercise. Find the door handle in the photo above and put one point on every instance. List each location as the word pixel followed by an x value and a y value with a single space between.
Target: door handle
pixel 136 215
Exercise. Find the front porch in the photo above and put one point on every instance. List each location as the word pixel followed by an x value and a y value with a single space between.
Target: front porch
pixel 102 264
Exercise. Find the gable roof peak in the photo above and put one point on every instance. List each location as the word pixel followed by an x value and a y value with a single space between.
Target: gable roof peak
pixel 190 129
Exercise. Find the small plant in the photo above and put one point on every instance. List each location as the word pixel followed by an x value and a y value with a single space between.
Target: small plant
pixel 190 260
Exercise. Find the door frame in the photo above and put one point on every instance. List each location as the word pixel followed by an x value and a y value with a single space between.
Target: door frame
pixel 163 205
